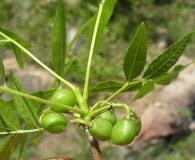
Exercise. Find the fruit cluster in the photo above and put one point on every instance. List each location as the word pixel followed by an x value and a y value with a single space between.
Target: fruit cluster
pixel 103 126
pixel 106 127
pixel 54 121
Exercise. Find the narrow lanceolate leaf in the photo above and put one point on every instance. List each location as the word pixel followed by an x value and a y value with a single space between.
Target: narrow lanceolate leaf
pixel 2 71
pixel 24 106
pixel 8 116
pixel 135 57
pixel 166 60
pixel 107 10
pixel 17 51
pixel 18 55
pixel 59 39
pixel 146 88
pixel 167 78
pixel 10 146
pixel 113 86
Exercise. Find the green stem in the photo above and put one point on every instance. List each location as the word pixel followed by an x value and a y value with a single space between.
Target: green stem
pixel 81 121
pixel 39 62
pixel 98 111
pixel 91 52
pixel 124 106
pixel 117 92
pixel 23 131
pixel 75 90
pixel 122 88
pixel 128 109
pixel 5 89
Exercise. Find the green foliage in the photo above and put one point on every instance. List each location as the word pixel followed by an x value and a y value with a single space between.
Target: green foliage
pixel 9 146
pixel 166 60
pixel 24 106
pixel 135 57
pixel 166 78
pixel 146 88
pixel 58 39
pixel 8 116
pixel 29 106
pixel 113 86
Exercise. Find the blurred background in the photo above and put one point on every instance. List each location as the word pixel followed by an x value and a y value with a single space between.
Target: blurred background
pixel 166 22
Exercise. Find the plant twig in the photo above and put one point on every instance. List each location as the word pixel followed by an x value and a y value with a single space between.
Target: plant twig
pixel 97 154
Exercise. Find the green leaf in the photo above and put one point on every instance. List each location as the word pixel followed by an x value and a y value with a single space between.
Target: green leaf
pixel 146 88
pixel 113 86
pixel 10 146
pixel 24 106
pixel 167 78
pixel 135 57
pixel 8 116
pixel 17 51
pixel 18 55
pixel 166 60
pixel 107 11
pixel 2 71
pixel 59 39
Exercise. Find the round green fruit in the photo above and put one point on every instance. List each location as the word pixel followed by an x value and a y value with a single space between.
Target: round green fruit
pixel 123 132
pixel 109 115
pixel 101 129
pixel 54 123
pixel 65 97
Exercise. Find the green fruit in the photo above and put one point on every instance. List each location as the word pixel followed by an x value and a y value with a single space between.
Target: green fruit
pixel 123 132
pixel 109 115
pixel 54 123
pixel 65 97
pixel 101 129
